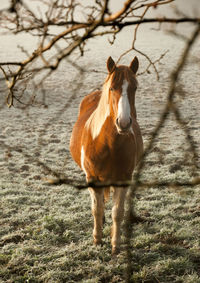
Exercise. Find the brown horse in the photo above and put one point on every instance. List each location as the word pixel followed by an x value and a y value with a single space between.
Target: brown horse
pixel 106 142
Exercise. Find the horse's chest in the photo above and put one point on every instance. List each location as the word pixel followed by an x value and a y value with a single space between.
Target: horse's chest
pixel 110 161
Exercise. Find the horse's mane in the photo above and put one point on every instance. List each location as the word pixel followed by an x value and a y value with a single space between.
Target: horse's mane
pixel 98 117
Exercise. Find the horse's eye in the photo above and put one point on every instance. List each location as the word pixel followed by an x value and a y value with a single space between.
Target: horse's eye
pixel 111 89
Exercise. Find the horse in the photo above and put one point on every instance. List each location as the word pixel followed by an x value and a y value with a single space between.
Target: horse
pixel 106 143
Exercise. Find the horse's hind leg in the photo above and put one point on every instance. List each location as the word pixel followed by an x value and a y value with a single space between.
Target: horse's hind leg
pixel 119 195
pixel 97 198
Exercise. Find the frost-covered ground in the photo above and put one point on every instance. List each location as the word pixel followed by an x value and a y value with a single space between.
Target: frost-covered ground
pixel 45 232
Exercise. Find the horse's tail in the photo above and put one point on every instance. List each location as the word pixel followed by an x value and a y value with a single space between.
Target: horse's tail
pixel 106 194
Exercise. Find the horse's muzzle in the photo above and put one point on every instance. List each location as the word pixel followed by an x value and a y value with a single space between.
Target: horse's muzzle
pixel 123 125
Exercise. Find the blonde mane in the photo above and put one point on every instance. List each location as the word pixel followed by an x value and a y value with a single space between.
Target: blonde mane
pixel 99 116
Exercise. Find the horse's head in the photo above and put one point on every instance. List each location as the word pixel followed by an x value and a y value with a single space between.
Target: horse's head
pixel 122 85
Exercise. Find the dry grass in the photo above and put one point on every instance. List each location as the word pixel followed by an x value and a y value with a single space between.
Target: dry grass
pixel 46 237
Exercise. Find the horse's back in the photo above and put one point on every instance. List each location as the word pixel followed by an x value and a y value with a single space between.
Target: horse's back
pixel 87 107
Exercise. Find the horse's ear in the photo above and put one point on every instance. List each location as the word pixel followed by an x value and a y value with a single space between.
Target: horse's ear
pixel 110 65
pixel 134 65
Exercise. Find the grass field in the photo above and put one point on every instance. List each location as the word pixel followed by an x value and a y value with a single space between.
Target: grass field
pixel 46 237
pixel 46 231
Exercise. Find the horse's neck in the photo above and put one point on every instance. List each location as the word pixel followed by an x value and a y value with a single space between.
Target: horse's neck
pixel 99 116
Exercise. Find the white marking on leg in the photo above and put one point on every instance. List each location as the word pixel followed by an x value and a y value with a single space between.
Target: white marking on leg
pixel 82 160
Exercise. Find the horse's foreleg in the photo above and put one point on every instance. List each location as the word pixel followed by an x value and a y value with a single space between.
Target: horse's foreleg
pixel 119 195
pixel 98 213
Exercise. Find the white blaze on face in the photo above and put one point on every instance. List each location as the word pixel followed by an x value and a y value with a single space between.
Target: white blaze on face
pixel 124 109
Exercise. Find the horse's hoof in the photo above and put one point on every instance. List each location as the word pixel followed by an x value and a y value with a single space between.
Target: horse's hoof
pixel 115 251
pixel 97 242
